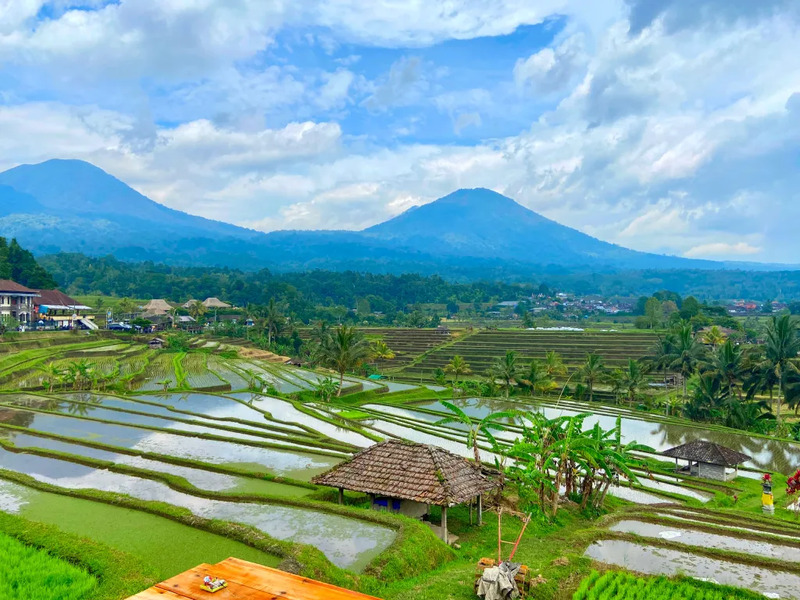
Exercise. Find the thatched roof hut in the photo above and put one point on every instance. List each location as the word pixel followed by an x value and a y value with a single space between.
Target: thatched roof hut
pixel 707 459
pixel 410 476
pixel 156 306
pixel 215 303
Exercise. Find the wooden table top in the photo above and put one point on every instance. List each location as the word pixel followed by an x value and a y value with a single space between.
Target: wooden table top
pixel 246 581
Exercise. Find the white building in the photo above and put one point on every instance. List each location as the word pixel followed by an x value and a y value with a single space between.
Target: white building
pixel 16 301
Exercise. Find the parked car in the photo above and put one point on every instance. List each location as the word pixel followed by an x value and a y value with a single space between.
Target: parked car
pixel 119 327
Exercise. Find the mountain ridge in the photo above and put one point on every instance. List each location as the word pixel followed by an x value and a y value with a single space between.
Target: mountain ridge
pixel 74 206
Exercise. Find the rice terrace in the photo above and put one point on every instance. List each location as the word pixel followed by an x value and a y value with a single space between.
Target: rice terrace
pixel 165 456
pixel 399 300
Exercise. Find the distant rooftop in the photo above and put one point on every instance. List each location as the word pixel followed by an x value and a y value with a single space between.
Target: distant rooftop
pixel 12 287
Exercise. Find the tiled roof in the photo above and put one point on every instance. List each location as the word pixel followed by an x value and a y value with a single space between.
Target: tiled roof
pixel 6 285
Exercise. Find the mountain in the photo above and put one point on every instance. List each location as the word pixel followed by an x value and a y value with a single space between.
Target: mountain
pixel 73 206
pixel 484 224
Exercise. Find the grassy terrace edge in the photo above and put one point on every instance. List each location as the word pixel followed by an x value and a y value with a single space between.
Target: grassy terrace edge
pixel 118 574
pixel 415 549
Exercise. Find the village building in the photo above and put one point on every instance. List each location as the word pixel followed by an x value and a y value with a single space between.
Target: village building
pixel 156 343
pixel 56 309
pixel 408 478
pixel 156 306
pixel 16 301
pixel 707 460
pixel 215 303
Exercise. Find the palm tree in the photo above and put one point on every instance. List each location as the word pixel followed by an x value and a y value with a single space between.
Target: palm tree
pixel 379 350
pixel 782 346
pixel 592 370
pixel 344 350
pixel 714 337
pixel 662 354
pixel 728 364
pixel 554 365
pixel 274 320
pixel 457 367
pixel 197 310
pixel 537 378
pixel 687 354
pixel 505 370
pixel 633 379
pixel 616 378
pixel 474 428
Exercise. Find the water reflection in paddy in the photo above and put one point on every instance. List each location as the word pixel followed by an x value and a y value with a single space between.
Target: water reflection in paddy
pixel 663 561
pixel 704 539
pixel 346 542
pixel 300 465
pixel 285 411
pixel 769 454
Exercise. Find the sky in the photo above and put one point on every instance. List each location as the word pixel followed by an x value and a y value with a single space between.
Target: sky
pixel 661 125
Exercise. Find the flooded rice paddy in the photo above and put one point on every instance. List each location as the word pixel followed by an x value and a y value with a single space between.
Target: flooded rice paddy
pixel 663 561
pixel 346 542
pixel 766 453
pixel 705 539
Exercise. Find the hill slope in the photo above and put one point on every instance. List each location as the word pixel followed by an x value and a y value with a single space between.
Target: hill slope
pixel 73 206
pixel 482 223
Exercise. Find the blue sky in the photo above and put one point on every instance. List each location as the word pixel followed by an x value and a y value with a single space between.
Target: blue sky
pixel 663 126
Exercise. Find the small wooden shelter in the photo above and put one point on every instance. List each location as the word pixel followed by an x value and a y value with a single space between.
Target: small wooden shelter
pixel 156 343
pixel 708 460
pixel 246 581
pixel 409 478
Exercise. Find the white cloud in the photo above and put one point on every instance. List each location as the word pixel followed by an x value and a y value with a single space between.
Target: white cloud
pixel 722 250
pixel 552 69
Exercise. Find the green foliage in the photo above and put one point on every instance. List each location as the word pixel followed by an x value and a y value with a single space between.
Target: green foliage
pixel 615 584
pixel 114 574
pixel 26 572
pixel 20 266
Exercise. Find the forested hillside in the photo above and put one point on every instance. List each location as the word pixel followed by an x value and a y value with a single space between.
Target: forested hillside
pixel 19 265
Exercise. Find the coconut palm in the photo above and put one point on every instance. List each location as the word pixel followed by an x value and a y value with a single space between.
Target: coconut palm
pixel 537 378
pixel 457 367
pixel 476 428
pixel 505 371
pixel 662 354
pixel 633 380
pixel 728 364
pixel 197 310
pixel 379 350
pixel 591 371
pixel 554 365
pixel 344 350
pixel 688 353
pixel 714 337
pixel 782 346
pixel 274 320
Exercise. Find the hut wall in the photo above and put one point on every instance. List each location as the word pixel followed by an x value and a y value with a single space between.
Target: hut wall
pixel 415 510
pixel 709 471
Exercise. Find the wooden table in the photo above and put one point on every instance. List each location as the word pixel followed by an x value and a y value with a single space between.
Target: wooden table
pixel 246 581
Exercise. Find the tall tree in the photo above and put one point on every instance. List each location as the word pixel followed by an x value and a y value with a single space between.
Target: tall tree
pixel 654 313
pixel 457 367
pixel 592 370
pixel 688 353
pixel 781 348
pixel 554 365
pixel 344 350
pixel 662 354
pixel 633 379
pixel 505 370
pixel 537 378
